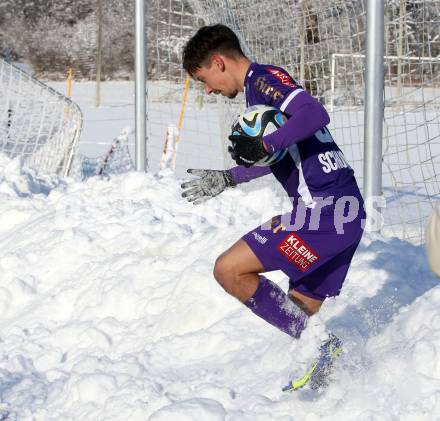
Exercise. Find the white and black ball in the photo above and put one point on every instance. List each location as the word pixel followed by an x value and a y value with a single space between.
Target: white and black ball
pixel 258 121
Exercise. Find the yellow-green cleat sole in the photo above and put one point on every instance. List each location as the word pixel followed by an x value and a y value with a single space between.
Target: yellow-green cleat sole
pixel 317 375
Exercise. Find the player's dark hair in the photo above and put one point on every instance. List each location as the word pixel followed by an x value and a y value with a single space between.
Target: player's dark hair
pixel 206 41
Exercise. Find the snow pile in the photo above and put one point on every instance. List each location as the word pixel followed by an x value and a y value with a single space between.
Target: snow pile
pixel 110 312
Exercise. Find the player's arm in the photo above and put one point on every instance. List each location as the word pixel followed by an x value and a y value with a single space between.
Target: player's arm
pixel 210 183
pixel 306 116
pixel 241 174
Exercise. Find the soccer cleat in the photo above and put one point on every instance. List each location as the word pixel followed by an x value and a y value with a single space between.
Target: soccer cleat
pixel 317 376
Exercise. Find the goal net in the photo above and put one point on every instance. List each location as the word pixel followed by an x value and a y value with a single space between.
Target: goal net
pixel 37 124
pixel 322 44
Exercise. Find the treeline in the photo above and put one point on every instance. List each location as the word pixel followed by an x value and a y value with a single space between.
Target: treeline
pixel 53 35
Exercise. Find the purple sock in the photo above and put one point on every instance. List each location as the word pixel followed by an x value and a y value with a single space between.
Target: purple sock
pixel 272 304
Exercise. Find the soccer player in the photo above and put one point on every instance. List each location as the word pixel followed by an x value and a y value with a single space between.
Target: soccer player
pixel 314 173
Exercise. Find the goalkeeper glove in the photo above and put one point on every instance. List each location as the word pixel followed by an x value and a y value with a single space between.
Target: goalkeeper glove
pixel 209 184
pixel 246 150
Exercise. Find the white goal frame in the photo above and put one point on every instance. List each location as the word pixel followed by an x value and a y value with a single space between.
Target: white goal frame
pixel 38 125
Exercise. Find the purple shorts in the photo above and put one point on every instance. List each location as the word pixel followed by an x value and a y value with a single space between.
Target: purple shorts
pixel 316 260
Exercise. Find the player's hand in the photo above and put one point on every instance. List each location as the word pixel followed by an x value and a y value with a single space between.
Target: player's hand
pixel 209 184
pixel 236 158
pixel 246 150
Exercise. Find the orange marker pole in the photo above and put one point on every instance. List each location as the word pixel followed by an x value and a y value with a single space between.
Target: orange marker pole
pixel 180 121
pixel 69 81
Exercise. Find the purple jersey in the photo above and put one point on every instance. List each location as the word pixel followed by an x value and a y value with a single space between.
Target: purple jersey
pixel 315 166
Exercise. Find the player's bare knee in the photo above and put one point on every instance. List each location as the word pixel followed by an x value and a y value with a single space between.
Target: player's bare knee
pixel 226 273
pixel 222 269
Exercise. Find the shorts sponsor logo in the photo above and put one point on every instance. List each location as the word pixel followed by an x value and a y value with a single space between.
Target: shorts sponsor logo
pixel 282 77
pixel 298 252
pixel 259 237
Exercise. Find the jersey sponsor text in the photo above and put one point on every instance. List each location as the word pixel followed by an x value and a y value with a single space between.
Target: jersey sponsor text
pixel 263 86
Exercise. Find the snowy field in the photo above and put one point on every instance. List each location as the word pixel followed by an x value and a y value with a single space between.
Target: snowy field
pixel 110 312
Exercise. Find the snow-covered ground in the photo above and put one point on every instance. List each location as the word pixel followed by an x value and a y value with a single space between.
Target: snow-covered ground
pixel 109 311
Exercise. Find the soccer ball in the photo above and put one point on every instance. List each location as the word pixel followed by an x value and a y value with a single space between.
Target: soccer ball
pixel 258 121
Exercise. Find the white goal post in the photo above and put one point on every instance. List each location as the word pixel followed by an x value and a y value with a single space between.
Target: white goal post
pixel 37 124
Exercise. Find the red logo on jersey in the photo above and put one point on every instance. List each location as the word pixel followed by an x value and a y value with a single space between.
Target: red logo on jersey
pixel 284 78
pixel 297 251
